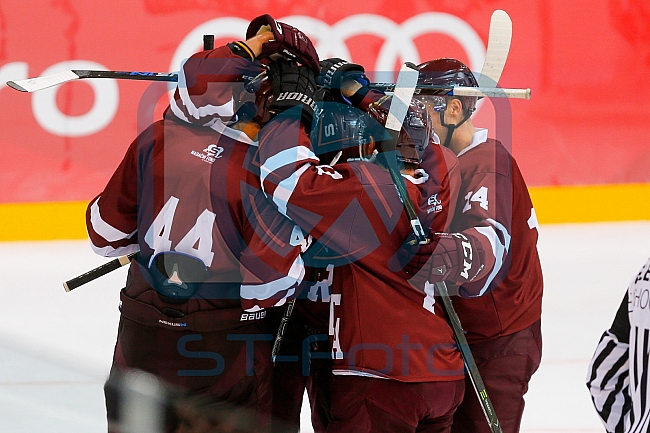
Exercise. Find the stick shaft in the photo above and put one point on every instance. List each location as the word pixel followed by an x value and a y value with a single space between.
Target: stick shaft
pixel 43 82
pixel 470 363
pixel 282 329
pixel 97 272
pixel 431 89
pixel 39 83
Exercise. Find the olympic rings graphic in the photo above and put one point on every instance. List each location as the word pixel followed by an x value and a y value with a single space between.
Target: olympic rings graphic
pixel 330 39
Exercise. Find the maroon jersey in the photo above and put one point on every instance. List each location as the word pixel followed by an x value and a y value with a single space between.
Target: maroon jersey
pixel 380 326
pixel 195 190
pixel 494 200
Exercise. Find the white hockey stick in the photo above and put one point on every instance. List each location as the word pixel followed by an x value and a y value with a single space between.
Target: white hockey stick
pixel 498 48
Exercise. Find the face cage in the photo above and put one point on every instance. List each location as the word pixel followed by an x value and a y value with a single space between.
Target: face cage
pixel 416 136
pixel 259 89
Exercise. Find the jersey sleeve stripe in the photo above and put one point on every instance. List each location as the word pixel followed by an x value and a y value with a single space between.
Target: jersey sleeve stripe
pixel 109 251
pixel 293 155
pixel 268 290
pixel 499 249
pixel 103 229
pixel 282 194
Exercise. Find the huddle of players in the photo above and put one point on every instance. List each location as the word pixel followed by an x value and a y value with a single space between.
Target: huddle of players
pixel 266 181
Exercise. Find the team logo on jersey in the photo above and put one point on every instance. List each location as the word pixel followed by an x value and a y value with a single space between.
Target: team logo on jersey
pixel 209 154
pixel 435 203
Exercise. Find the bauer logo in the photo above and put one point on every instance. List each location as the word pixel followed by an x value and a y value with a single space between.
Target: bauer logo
pixel 209 154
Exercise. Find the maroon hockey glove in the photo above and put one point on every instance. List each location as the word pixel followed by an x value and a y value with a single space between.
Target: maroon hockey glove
pixel 453 257
pixel 288 42
pixel 334 71
pixel 293 86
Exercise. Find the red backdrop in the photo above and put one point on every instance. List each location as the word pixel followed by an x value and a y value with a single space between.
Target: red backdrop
pixel 587 64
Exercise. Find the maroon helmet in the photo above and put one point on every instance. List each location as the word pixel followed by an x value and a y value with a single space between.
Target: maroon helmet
pixel 447 72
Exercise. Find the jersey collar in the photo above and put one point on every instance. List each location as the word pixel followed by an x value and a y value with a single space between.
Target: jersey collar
pixel 480 136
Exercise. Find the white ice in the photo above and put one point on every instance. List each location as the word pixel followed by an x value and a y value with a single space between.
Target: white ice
pixel 56 347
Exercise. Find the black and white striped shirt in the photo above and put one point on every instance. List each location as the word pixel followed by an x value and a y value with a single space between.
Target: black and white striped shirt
pixel 619 372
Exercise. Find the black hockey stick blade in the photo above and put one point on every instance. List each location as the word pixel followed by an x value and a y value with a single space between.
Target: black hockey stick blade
pixel 470 363
pixel 97 272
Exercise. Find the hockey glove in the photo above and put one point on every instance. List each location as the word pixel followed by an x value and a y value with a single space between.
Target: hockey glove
pixel 334 72
pixel 293 85
pixel 287 41
pixel 453 257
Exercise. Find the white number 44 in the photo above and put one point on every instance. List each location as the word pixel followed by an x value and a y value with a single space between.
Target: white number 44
pixel 480 196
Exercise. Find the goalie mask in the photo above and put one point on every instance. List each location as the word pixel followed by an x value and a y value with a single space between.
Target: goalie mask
pixel 447 72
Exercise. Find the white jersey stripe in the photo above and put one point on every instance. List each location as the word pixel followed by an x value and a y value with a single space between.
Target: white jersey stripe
pixel 103 229
pixel 499 249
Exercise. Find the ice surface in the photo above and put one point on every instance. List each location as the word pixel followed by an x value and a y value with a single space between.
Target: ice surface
pixel 56 347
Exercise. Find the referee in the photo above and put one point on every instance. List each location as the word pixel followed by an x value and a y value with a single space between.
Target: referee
pixel 618 372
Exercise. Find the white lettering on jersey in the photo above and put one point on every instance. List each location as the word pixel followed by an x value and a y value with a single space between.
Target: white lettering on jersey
pixel 429 299
pixel 532 221
pixel 157 236
pixel 480 196
pixel 323 286
pixel 326 169
pixel 334 327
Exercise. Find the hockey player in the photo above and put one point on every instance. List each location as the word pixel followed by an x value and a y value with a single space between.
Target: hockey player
pixel 503 325
pixel 618 372
pixel 395 367
pixel 213 254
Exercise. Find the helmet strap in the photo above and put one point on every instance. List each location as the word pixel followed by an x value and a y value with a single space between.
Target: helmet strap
pixel 450 127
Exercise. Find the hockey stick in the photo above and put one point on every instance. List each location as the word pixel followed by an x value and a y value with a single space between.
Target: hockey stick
pixel 281 329
pixel 432 89
pixel 498 47
pixel 98 272
pixel 402 94
pixel 408 78
pixel 40 83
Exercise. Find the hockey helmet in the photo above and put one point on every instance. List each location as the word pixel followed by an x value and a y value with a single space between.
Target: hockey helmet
pixel 338 127
pixel 449 72
pixel 416 130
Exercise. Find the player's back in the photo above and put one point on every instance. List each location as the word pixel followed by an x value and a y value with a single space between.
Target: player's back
pixel 493 190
